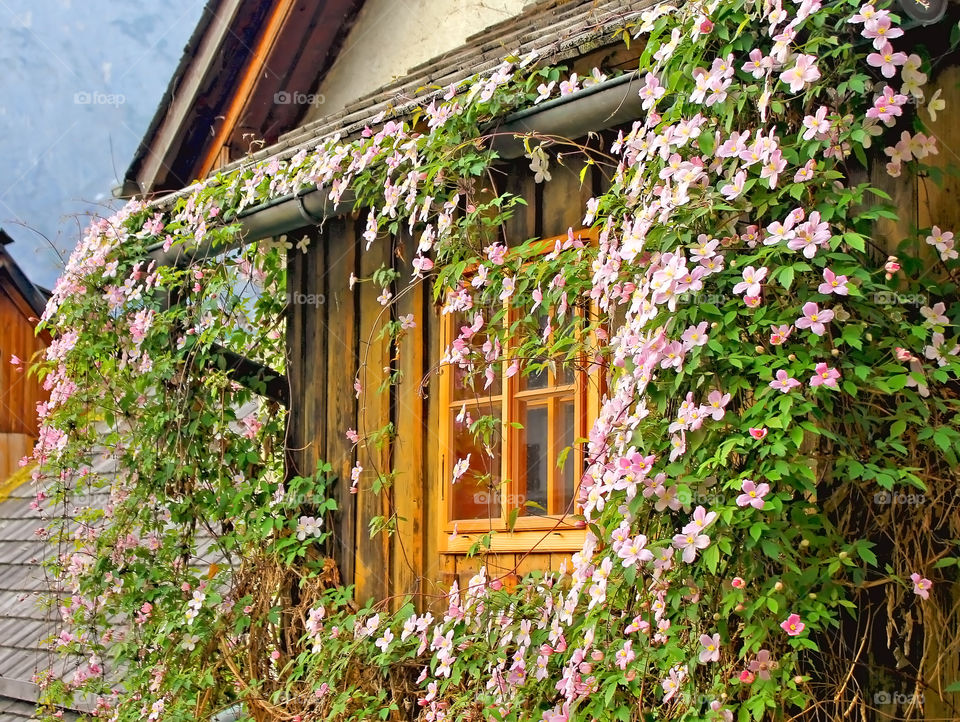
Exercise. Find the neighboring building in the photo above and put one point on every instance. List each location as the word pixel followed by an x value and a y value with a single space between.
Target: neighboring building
pixel 21 305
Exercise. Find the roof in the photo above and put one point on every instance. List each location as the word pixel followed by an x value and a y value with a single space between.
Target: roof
pixel 239 56
pixel 9 269
pixel 557 30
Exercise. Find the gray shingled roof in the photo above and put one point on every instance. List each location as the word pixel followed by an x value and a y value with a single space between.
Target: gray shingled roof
pixel 24 622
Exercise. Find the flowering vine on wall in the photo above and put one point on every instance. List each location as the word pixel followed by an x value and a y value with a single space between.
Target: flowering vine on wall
pixel 793 391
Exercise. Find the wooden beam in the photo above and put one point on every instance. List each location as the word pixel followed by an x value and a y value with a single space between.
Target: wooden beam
pixel 255 376
pixel 248 81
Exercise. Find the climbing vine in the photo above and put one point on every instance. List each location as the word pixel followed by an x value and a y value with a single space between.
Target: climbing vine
pixel 777 373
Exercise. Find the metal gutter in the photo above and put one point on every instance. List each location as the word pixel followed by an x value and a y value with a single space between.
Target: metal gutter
pixel 599 107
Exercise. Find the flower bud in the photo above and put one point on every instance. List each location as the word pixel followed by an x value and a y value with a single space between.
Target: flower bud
pixel 792 357
pixel 759 349
pixel 778 587
pixel 834 352
pixel 804 543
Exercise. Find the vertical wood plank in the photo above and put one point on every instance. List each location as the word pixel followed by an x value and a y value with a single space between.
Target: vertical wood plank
pixel 436 572
pixel 407 548
pixel 372 563
pixel 341 404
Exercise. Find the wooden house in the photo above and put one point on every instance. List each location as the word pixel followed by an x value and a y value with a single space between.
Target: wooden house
pixel 280 101
pixel 283 100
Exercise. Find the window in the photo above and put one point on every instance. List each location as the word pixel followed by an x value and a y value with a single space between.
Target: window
pixel 513 483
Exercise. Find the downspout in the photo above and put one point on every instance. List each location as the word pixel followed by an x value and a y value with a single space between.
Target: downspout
pixel 599 107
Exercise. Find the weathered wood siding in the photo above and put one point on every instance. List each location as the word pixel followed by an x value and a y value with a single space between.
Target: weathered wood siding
pixel 335 342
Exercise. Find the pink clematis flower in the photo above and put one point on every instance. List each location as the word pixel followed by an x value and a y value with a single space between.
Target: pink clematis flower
pixel 762 665
pixel 823 375
pixel 792 625
pixel 752 494
pixel 880 29
pixel 710 651
pixel 814 319
pixel 921 585
pixel 689 543
pixel 758 432
pixel 779 334
pixel 804 71
pixel 832 283
pixel 751 283
pixel 886 60
pixel 784 382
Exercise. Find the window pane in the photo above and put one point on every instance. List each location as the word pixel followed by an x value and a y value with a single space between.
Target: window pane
pixel 534 457
pixel 476 495
pixel 565 370
pixel 566 477
pixel 467 385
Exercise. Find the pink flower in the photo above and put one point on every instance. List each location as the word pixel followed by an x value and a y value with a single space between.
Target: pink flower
pixel 779 334
pixel 886 108
pixel 816 125
pixel 651 91
pixel 762 665
pixel 792 625
pixel 880 29
pixel 784 382
pixel 832 283
pixel 757 433
pixel 689 543
pixel 823 375
pixel 891 267
pixel 752 278
pixel 886 60
pixel 747 677
pixel 752 494
pixel 633 551
pixel 804 71
pixel 814 319
pixel 625 655
pixel 738 583
pixel 710 651
pixel 717 401
pixel 921 585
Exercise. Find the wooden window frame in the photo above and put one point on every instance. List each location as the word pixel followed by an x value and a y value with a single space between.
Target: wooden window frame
pixel 533 533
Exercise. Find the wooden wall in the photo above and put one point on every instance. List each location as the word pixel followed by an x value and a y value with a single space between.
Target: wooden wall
pixel 333 343
pixel 19 392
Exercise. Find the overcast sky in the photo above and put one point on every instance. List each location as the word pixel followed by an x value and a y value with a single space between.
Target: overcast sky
pixel 79 83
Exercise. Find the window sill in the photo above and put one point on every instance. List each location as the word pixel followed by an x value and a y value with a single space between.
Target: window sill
pixel 542 540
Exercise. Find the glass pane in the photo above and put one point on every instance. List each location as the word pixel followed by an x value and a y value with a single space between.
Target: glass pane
pixel 565 372
pixel 566 433
pixel 476 495
pixel 469 383
pixel 539 379
pixel 534 457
